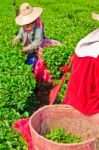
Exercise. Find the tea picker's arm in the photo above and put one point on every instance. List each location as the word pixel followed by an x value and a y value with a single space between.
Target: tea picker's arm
pixel 18 37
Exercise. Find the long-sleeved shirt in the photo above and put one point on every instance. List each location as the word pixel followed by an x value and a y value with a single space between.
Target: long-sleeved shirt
pixel 35 37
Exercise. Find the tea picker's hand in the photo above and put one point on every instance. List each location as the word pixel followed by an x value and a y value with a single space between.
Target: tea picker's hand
pixel 56 43
pixel 15 41
pixel 25 49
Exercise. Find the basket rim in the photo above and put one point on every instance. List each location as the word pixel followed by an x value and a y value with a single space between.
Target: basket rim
pixel 49 141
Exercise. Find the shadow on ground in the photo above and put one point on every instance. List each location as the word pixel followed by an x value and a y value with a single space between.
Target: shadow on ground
pixel 39 97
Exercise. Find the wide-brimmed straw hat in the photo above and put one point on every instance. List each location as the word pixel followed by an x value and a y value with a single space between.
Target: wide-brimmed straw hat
pixel 28 14
pixel 95 16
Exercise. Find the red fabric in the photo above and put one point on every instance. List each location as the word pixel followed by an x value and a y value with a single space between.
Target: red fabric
pixel 39 23
pixel 41 72
pixel 22 126
pixel 64 68
pixel 56 89
pixel 83 86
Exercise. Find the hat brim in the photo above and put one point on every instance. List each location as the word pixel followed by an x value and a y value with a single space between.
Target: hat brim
pixel 95 16
pixel 24 20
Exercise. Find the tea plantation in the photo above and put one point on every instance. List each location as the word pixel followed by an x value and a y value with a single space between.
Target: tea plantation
pixel 65 20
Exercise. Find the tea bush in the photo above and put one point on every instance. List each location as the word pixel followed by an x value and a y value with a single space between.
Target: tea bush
pixel 65 20
pixel 16 81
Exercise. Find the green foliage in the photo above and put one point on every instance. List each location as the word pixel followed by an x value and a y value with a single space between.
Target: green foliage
pixel 16 81
pixel 61 136
pixel 65 20
pixel 68 22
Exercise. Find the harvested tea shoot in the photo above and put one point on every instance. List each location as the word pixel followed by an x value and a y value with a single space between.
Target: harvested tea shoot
pixel 61 136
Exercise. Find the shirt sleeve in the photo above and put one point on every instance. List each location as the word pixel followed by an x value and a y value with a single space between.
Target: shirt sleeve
pixel 38 38
pixel 20 34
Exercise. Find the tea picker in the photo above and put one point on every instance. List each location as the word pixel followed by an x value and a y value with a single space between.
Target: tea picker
pixel 31 31
pixel 32 35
